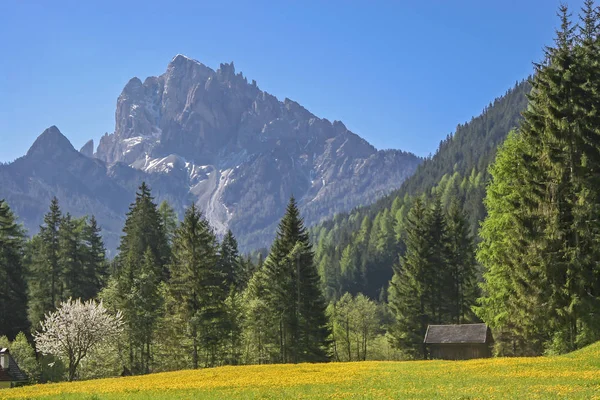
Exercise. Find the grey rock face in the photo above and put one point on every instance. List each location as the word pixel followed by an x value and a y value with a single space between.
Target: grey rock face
pixel 208 137
pixel 242 152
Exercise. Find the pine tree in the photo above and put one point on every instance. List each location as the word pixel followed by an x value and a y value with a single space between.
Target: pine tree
pixel 259 327
pixel 71 258
pixel 134 288
pixel 94 255
pixel 144 300
pixel 461 266
pixel 13 288
pixel 511 289
pixel 198 286
pixel 144 230
pixel 436 276
pixel 230 263
pixel 169 219
pixel 408 297
pixel 296 305
pixel 553 265
pixel 45 275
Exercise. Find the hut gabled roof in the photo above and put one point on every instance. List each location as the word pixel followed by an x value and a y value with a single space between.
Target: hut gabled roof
pixel 13 373
pixel 457 334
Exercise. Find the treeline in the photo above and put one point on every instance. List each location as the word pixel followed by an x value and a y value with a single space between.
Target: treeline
pixel 540 241
pixel 458 170
pixel 356 254
pixel 434 281
pixel 187 300
pixel 190 301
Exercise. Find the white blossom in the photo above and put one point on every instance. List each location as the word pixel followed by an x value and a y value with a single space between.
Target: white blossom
pixel 75 329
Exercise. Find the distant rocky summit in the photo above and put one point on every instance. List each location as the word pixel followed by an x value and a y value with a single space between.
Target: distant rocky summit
pixel 209 137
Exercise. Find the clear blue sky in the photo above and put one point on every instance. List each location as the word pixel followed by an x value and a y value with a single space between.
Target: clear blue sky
pixel 402 74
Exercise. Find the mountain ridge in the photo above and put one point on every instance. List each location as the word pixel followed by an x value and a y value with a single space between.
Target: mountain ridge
pixel 210 137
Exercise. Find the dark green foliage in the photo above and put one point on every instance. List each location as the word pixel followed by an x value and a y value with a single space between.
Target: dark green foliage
pixel 198 286
pixel 230 263
pixel 45 275
pixel 541 293
pixel 169 219
pixel 141 267
pixel 71 262
pixel 95 266
pixel 355 251
pixel 408 297
pixel 143 230
pixel 292 288
pixel 13 289
pixel 434 280
pixel 462 274
pixel 66 259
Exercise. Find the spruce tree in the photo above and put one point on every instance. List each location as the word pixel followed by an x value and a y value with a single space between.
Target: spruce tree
pixel 461 266
pixel 13 288
pixel 511 288
pixel 169 219
pixel 45 275
pixel 230 262
pixel 144 230
pixel 436 276
pixel 408 290
pixel 143 246
pixel 552 267
pixel 144 300
pixel 71 258
pixel 198 286
pixel 94 260
pixel 296 304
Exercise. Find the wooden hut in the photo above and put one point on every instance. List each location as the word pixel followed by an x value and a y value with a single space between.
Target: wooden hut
pixel 10 373
pixel 458 342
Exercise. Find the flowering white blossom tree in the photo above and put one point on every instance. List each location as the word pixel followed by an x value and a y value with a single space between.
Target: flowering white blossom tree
pixel 75 329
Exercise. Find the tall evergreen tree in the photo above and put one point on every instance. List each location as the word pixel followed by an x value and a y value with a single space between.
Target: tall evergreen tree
pixel 437 274
pixel 71 257
pixel 144 230
pixel 169 219
pixel 45 273
pixel 292 286
pixel 13 288
pixel 408 297
pixel 461 266
pixel 94 260
pixel 554 266
pixel 143 246
pixel 434 283
pixel 198 286
pixel 230 262
pixel 143 302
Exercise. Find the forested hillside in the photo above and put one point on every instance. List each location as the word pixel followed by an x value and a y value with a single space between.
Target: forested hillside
pixel 367 242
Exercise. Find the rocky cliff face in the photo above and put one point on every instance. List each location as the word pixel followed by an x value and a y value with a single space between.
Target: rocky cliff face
pixel 209 137
pixel 241 152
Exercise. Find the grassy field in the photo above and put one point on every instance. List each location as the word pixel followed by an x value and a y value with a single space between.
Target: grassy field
pixel 573 376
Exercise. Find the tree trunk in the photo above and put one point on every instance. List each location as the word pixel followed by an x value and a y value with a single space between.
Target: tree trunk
pixel 194 352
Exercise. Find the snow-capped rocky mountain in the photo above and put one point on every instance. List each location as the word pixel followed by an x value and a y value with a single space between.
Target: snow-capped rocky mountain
pixel 210 137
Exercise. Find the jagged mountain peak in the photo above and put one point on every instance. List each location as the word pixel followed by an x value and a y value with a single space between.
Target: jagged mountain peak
pixel 212 138
pixel 52 143
pixel 182 58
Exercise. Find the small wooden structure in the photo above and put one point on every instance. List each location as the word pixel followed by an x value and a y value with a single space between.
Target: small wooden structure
pixel 458 342
pixel 10 373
